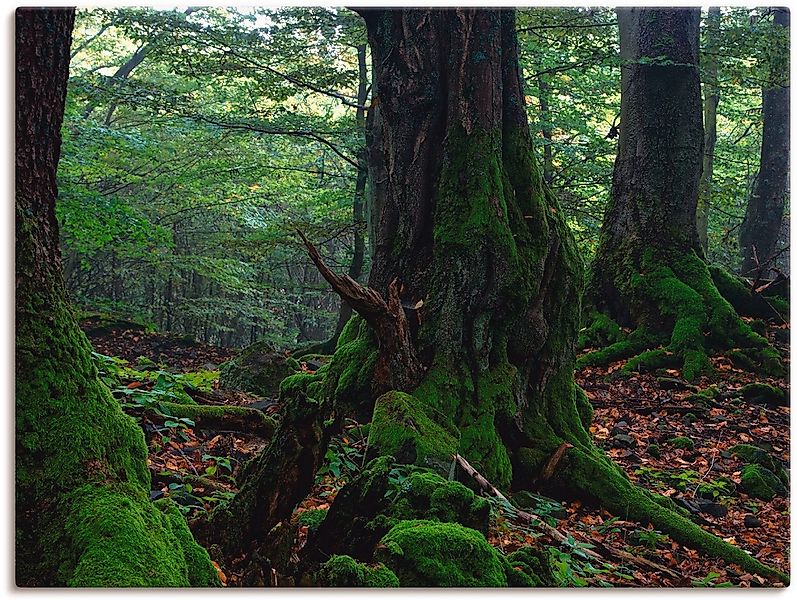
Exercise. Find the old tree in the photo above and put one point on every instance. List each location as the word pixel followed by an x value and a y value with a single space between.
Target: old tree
pixel 463 343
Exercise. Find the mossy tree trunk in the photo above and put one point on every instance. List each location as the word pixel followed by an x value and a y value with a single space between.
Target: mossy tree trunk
pixel 488 272
pixel 649 271
pixel 764 216
pixel 83 514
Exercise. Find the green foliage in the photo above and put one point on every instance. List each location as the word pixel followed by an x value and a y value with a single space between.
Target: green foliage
pixel 344 571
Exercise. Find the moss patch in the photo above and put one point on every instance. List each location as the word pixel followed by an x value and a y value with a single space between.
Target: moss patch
pixel 427 553
pixel 401 428
pixel 761 483
pixel 344 571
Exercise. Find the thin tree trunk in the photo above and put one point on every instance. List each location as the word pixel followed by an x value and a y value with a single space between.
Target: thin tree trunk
pixel 711 100
pixel 764 215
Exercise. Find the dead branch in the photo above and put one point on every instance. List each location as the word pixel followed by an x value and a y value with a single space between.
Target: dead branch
pixel 554 533
pixel 398 367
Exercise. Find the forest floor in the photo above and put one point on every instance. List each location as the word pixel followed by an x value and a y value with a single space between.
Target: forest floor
pixel 636 420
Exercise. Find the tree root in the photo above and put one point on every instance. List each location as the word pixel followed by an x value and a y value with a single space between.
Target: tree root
pixel 686 298
pixel 217 418
pixel 587 472
pixel 554 533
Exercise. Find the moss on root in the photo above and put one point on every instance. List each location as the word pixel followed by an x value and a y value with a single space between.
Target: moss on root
pixel 344 571
pixel 675 296
pixel 427 553
pixel 401 428
pixel 113 535
pixel 592 474
pixel 602 331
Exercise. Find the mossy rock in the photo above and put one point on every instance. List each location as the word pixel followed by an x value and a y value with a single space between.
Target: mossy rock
pixel 758 456
pixel 429 496
pixel 529 567
pixel 762 393
pixel 401 428
pixel 344 571
pixel 654 450
pixel 681 443
pixel 603 331
pixel 759 482
pixel 258 369
pixel 431 554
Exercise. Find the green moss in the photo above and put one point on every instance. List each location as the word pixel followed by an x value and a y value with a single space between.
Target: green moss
pixel 401 428
pixel 257 369
pixel 82 480
pixel 529 567
pixel 761 483
pixel 654 450
pixel 428 553
pixel 429 496
pixel 344 571
pixel 113 535
pixel 594 475
pixel 211 416
pixel 637 341
pixel 681 443
pixel 312 518
pixel 603 331
pixel 757 456
pixel 350 372
pixel 763 393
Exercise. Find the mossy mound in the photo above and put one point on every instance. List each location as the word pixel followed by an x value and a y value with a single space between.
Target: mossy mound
pixel 402 428
pixel 529 567
pixel 763 393
pixel 344 571
pixel 757 456
pixel 761 483
pixel 427 553
pixel 603 331
pixel 258 369
pixel 429 496
pixel 312 518
pixel 681 443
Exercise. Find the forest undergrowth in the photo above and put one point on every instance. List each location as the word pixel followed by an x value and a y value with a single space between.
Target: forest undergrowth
pixel 709 444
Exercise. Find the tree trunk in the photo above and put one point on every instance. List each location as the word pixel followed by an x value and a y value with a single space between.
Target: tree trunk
pixel 83 515
pixel 358 206
pixel 764 216
pixel 711 100
pixel 649 271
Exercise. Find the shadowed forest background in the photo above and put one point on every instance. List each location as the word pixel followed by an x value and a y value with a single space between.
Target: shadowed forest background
pixel 403 297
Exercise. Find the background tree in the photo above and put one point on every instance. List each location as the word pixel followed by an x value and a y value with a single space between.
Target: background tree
pixel 764 216
pixel 83 514
pixel 649 271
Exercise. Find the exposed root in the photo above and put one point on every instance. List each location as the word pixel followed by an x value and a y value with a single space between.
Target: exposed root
pixel 587 472
pixel 696 319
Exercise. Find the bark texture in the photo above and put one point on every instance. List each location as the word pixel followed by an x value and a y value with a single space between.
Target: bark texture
pixel 649 272
pixel 83 515
pixel 764 216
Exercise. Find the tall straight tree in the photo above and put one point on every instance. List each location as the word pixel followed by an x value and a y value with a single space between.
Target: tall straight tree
pixel 83 514
pixel 711 99
pixel 649 271
pixel 464 343
pixel 764 216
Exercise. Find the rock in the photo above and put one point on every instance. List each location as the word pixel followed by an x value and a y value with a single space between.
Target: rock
pixel 751 521
pixel 713 508
pixel 623 440
pixel 654 450
pixel 681 442
pixel 258 369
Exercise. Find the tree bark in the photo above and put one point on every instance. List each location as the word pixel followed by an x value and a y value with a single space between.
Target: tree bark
pixel 83 515
pixel 649 271
pixel 764 216
pixel 711 100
